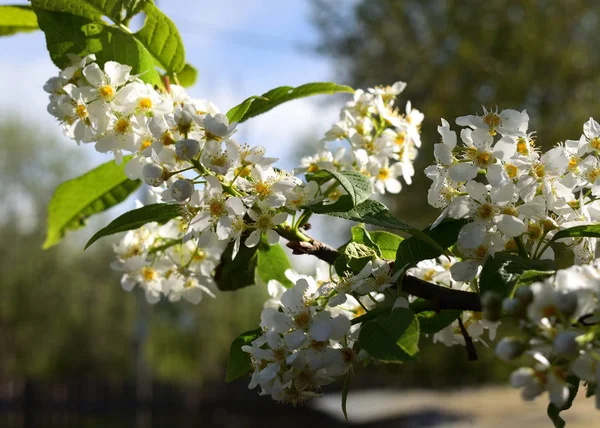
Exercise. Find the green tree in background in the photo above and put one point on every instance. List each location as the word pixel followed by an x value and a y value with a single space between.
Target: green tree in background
pixel 457 55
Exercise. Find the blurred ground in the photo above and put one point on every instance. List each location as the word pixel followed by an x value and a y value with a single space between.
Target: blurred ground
pixel 477 407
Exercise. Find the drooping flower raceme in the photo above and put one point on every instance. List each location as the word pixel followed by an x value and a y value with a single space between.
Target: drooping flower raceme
pixel 381 141
pixel 515 197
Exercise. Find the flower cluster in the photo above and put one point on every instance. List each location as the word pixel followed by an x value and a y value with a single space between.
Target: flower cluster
pixel 303 345
pixel 559 319
pixel 235 194
pixel 514 196
pixel 154 258
pixel 383 141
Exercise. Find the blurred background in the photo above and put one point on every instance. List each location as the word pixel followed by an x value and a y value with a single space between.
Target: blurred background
pixel 76 350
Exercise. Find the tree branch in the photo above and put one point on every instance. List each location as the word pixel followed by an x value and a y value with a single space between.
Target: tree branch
pixel 444 298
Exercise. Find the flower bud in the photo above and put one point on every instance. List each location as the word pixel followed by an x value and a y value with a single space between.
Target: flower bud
pixel 184 116
pixel 524 295
pixel 187 149
pixel 567 304
pixel 510 348
pixel 491 303
pixel 182 189
pixel 154 175
pixel 514 308
pixel 565 345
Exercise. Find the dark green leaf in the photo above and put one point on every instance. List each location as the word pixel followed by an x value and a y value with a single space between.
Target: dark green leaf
pixel 15 19
pixel 386 242
pixel 431 322
pixel 412 250
pixel 76 200
pixel 589 231
pixel 345 394
pixel 554 411
pixel 501 272
pixel 239 361
pixel 391 337
pixel 256 105
pixel 160 213
pixel 232 275
pixel 272 264
pixel 377 214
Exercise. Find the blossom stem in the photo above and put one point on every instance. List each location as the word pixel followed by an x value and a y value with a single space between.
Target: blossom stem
pixel 521 247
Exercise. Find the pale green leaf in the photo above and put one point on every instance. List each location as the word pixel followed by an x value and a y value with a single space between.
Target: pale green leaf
pixel 187 77
pixel 74 201
pixel 272 263
pixel 16 18
pixel 387 242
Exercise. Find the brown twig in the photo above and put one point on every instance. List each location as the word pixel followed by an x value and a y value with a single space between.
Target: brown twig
pixel 469 346
pixel 445 298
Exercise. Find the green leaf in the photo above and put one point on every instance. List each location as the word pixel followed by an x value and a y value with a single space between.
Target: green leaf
pixel 502 270
pixel 16 18
pixel 358 255
pixel 391 337
pixel 554 411
pixel 76 200
pixel 377 214
pixel 431 321
pixel 386 242
pixel 256 105
pixel 357 186
pixel 584 231
pixel 77 27
pixel 232 275
pixel 239 361
pixel 345 394
pixel 272 263
pixel 160 37
pixel 412 250
pixel 362 236
pixel 530 276
pixel 160 213
pixel 187 76
pixel 72 34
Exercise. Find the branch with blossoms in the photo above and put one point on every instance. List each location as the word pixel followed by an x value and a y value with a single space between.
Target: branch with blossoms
pixel 217 208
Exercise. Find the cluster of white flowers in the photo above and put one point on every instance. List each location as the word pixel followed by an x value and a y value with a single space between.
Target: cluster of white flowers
pixel 437 271
pixel 515 197
pixel 236 192
pixel 155 258
pixel 304 343
pixel 383 142
pixel 559 321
